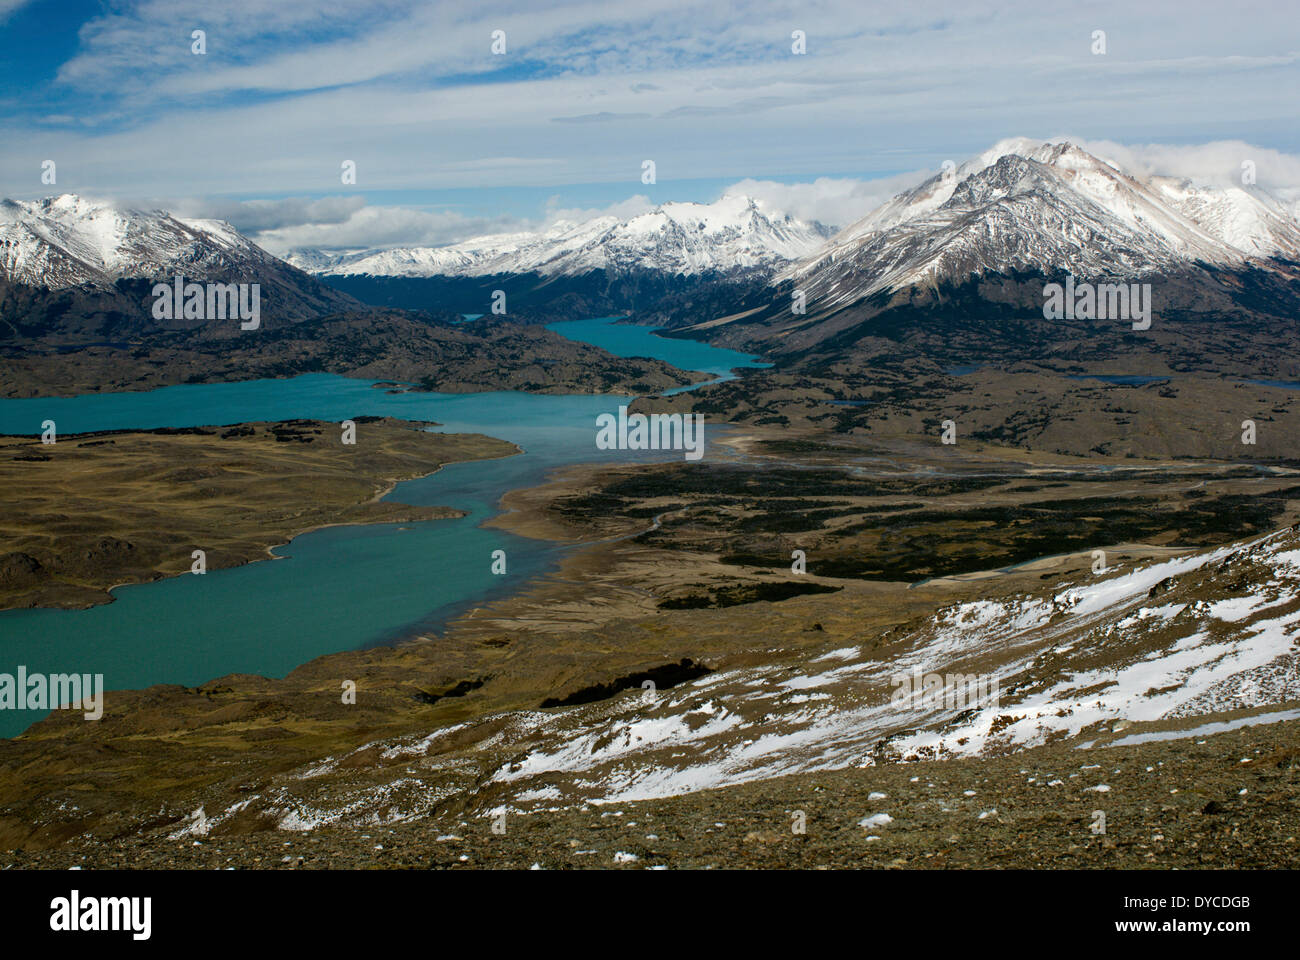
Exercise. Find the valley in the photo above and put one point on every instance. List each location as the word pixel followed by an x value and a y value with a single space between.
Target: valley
pixel 532 702
pixel 916 475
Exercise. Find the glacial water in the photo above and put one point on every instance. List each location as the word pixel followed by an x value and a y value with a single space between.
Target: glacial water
pixel 629 340
pixel 333 589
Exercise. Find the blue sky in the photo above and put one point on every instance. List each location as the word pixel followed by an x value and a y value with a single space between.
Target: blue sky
pixel 451 140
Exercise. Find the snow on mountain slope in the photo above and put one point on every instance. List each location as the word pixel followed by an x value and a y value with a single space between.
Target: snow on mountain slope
pixel 456 259
pixel 1161 642
pixel 1242 219
pixel 1045 207
pixel 734 233
pixel 68 240
pixel 1151 649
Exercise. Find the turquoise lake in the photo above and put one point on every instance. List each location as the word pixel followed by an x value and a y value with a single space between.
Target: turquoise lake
pixel 339 588
pixel 628 340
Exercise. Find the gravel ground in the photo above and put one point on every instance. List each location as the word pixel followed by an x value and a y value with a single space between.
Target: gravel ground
pixel 1231 800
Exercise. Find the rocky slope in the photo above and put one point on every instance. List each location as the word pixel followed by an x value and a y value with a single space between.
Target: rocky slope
pixel 1219 799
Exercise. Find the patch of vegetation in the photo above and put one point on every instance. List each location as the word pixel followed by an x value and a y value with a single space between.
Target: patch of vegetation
pixel 745 593
pixel 668 675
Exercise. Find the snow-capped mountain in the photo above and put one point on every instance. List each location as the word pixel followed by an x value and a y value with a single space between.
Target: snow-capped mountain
pixel 733 234
pixel 1041 207
pixel 69 240
pixel 79 268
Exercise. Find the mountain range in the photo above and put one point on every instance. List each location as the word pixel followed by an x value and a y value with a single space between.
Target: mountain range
pixel 733 234
pixel 68 240
pixel 1022 205
pixel 76 296
pixel 982 237
pixel 979 239
pixel 956 268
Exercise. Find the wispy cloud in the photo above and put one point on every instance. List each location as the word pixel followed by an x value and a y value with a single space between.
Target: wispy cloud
pixel 348 223
pixel 833 201
pixel 1218 163
pixel 388 226
pixel 9 7
pixel 588 89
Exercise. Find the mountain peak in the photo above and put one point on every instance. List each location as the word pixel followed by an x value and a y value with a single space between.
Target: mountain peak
pixel 1045 206
pixel 732 233
pixel 1057 152
pixel 69 239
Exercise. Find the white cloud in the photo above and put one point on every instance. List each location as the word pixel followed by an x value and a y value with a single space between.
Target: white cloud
pixel 347 223
pixel 261 216
pixel 833 201
pixel 1215 164
pixel 343 223
pixel 625 210
pixel 9 7
pixel 370 227
pixel 289 88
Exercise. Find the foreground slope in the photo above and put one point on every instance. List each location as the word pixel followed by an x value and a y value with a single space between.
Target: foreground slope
pixel 1147 658
pixel 1163 646
pixel 1225 798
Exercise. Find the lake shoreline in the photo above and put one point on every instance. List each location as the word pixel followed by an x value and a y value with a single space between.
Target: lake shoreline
pixel 203 451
